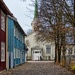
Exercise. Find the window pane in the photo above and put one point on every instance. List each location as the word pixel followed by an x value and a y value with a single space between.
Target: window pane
pixel 48 49
pixel 19 54
pixel 2 51
pixel 2 22
pixel 14 53
pixel 14 31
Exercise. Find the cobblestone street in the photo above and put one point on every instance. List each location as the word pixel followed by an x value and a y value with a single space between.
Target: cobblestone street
pixel 38 68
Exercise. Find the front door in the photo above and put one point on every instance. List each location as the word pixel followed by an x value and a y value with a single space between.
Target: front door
pixel 36 55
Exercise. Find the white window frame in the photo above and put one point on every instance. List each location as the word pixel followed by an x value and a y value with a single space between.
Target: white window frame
pixel 14 31
pixel 48 47
pixel 14 53
pixel 22 39
pixel 19 53
pixel 2 21
pixel 2 51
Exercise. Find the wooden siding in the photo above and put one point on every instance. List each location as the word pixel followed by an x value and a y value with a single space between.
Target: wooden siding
pixel 10 41
pixel 10 35
pixel 2 39
pixel 15 42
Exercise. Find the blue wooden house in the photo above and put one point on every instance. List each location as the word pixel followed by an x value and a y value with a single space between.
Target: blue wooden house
pixel 16 43
pixel 4 11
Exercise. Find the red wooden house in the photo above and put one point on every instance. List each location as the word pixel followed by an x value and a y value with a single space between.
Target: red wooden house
pixel 4 11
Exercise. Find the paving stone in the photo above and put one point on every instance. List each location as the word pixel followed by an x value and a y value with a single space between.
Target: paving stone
pixel 38 68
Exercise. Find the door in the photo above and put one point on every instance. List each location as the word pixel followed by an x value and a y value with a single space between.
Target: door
pixel 36 55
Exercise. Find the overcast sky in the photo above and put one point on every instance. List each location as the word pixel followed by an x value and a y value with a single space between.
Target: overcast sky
pixel 21 11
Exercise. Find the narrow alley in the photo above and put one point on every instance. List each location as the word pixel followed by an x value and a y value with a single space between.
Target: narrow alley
pixel 38 68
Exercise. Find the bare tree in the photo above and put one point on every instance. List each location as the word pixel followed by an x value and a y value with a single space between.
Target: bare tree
pixel 55 21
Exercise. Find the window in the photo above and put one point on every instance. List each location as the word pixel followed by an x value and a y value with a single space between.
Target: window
pixel 3 22
pixel 18 34
pixel 48 49
pixel 14 53
pixel 14 31
pixel 2 51
pixel 19 54
pixel 23 41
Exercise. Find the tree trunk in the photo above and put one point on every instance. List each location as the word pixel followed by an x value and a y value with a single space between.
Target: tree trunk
pixel 74 21
pixel 64 49
pixel 55 51
pixel 58 48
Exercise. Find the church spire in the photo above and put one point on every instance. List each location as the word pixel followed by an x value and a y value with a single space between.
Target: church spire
pixel 36 10
pixel 35 16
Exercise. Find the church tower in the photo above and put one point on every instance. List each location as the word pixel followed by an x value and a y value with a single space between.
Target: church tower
pixel 35 16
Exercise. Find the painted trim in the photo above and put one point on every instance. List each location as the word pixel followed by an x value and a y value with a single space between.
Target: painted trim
pixel 7 44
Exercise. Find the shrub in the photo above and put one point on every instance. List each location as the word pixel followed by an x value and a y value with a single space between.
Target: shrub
pixel 73 67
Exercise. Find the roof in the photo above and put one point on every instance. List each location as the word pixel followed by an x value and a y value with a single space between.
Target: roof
pixel 4 8
pixel 12 17
pixel 17 24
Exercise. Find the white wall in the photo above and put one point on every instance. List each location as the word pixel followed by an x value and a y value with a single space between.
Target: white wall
pixel 33 43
